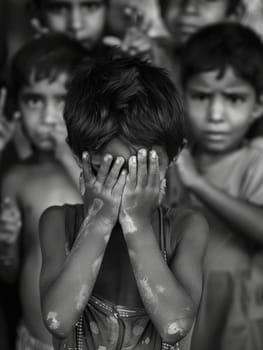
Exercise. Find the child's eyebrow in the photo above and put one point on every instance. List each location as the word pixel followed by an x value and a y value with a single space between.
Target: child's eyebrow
pixel 31 94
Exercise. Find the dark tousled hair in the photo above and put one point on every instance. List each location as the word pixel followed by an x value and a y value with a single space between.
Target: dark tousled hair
pixel 38 3
pixel 220 46
pixel 45 58
pixel 125 98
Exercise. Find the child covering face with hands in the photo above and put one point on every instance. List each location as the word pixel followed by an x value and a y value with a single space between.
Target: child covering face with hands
pixel 121 270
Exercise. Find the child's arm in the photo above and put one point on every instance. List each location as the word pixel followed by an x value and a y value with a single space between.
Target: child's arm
pixel 170 294
pixel 244 217
pixel 66 282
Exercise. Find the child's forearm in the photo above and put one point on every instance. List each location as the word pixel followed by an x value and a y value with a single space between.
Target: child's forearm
pixel 243 216
pixel 165 299
pixel 66 297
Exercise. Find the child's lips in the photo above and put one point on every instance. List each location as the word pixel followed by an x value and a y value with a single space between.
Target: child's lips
pixel 215 136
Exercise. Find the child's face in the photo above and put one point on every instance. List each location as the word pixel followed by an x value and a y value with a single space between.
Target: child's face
pixel 83 20
pixel 41 104
pixel 220 110
pixel 117 147
pixel 185 17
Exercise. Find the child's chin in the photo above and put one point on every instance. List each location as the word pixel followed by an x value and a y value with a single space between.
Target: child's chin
pixel 47 145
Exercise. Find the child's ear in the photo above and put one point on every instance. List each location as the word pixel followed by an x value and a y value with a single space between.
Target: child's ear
pixel 258 108
pixel 239 12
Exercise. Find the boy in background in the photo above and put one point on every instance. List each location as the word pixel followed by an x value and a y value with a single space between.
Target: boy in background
pixel 222 174
pixel 185 17
pixel 82 20
pixel 41 71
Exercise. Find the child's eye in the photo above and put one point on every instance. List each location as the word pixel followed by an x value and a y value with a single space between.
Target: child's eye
pixel 91 6
pixel 32 101
pixel 57 7
pixel 198 95
pixel 236 98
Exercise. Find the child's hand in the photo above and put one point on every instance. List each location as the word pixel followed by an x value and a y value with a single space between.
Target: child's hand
pixel 39 29
pixel 10 225
pixel 59 134
pixel 7 128
pixel 137 43
pixel 186 168
pixel 136 40
pixel 142 190
pixel 102 194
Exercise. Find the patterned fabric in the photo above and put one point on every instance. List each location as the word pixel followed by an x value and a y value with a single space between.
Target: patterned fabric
pixel 25 341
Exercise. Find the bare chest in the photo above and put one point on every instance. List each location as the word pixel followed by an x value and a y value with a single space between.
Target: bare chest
pixel 39 193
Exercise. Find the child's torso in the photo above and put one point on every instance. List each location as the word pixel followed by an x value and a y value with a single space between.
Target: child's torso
pixel 115 317
pixel 43 186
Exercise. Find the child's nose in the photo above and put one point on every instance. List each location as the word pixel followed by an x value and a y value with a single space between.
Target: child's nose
pixel 190 6
pixel 49 114
pixel 216 110
pixel 75 19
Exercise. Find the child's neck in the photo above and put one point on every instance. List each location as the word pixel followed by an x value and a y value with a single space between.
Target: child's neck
pixel 204 158
pixel 42 156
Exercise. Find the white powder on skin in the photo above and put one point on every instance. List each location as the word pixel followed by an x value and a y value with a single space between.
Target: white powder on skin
pixel 132 254
pixel 81 297
pixel 148 295
pixel 52 320
pixel 96 265
pixel 160 289
pixel 174 329
pixel 129 225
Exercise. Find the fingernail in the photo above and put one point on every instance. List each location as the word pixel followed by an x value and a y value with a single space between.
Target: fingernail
pixel 107 157
pixel 85 155
pixel 133 159
pixel 153 154
pixel 119 160
pixel 142 152
pixel 16 115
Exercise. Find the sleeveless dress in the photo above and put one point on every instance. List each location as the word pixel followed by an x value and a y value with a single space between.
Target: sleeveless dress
pixel 104 325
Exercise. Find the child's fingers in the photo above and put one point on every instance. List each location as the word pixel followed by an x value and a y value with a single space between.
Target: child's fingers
pixel 7 204
pixel 16 116
pixel 132 176
pixel 142 168
pixel 112 41
pixel 6 237
pixel 113 175
pixel 104 169
pixel 10 228
pixel 154 170
pixel 118 188
pixel 87 171
pixel 37 26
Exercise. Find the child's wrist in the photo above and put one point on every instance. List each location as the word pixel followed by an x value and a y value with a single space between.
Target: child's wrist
pixel 134 223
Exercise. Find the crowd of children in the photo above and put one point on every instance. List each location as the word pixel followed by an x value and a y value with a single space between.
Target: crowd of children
pixel 96 116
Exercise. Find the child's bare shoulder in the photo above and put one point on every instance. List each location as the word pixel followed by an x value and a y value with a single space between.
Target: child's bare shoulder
pixel 187 225
pixel 14 178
